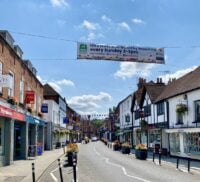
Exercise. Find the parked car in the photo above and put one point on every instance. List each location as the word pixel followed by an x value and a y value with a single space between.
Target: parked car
pixel 94 139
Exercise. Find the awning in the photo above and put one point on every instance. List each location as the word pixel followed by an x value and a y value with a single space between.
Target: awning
pixel 33 120
pixel 183 130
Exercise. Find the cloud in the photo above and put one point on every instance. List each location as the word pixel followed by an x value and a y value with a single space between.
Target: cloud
pixel 137 21
pixel 65 82
pixel 177 74
pixel 89 103
pixel 128 70
pixel 57 85
pixel 59 3
pixel 92 36
pixel 124 26
pixel 90 25
pixel 106 19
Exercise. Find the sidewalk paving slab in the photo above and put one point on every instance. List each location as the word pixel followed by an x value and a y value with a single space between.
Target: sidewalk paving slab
pixel 21 170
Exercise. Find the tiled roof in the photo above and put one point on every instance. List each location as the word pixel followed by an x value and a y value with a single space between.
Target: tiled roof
pixel 48 90
pixel 189 82
pixel 154 90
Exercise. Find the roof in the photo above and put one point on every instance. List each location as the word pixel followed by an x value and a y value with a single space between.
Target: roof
pixel 137 96
pixel 48 90
pixel 154 90
pixel 186 83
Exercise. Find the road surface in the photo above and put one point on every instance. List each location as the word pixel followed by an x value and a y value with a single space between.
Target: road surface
pixel 97 163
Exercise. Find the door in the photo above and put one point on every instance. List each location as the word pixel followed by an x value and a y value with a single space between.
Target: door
pixel 17 142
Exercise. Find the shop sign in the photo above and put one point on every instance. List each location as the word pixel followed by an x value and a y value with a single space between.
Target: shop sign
pixel 5 81
pixel 30 97
pixel 44 108
pixel 120 53
pixel 6 112
pixel 65 120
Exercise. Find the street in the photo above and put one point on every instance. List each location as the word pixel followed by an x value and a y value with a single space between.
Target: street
pixel 97 163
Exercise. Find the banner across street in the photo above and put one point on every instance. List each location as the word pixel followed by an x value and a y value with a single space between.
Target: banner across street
pixel 120 53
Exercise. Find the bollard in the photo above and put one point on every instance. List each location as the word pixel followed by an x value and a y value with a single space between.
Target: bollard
pixel 60 170
pixel 74 171
pixel 153 156
pixel 177 163
pixel 188 164
pixel 160 157
pixel 64 149
pixel 33 172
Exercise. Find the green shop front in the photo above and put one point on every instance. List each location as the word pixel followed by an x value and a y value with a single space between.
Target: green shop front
pixel 35 136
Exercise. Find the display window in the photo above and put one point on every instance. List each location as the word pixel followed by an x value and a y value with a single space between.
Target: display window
pixel 1 138
pixel 175 143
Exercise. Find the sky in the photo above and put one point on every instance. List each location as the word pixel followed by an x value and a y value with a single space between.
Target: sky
pixel 95 86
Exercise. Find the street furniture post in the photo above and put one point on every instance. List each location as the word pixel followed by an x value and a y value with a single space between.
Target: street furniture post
pixel 177 163
pixel 33 172
pixel 60 170
pixel 188 164
pixel 74 170
pixel 160 152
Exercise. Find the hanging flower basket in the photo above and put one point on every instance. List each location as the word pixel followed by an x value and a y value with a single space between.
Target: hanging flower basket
pixel 12 100
pixel 181 109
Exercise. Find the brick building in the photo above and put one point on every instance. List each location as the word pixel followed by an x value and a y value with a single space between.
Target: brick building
pixel 21 95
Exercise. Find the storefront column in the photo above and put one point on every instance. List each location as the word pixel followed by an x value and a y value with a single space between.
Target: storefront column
pixel 9 146
pixel 49 136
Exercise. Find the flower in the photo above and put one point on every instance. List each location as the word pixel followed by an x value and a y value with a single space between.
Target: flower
pixel 126 145
pixel 72 147
pixel 141 147
pixel 181 108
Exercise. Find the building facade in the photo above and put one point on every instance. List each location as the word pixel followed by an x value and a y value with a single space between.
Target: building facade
pixel 21 95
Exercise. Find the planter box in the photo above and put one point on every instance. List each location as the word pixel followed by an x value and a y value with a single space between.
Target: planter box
pixel 71 156
pixel 116 147
pixel 126 150
pixel 141 154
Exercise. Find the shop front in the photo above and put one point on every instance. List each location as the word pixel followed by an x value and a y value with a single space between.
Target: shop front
pixel 185 142
pixel 12 136
pixel 35 136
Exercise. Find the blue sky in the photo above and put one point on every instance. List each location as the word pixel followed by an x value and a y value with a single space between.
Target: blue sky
pixel 94 86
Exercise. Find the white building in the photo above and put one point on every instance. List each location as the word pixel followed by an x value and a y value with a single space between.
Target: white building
pixel 183 99
pixel 125 117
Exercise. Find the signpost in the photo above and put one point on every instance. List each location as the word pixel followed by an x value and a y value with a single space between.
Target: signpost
pixel 120 53
pixel 44 108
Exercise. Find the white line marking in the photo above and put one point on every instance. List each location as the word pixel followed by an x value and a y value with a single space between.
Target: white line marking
pixel 53 176
pixel 117 165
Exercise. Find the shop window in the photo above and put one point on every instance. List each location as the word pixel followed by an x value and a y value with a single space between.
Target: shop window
pixel 154 137
pixel 1 138
pixel 174 143
pixel 197 111
pixel 147 110
pixel 191 143
pixel 160 108
pixel 179 119
pixel 11 89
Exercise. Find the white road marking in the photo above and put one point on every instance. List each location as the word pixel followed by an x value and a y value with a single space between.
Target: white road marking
pixel 120 166
pixel 53 176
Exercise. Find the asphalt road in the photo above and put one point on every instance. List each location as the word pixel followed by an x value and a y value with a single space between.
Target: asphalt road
pixel 97 163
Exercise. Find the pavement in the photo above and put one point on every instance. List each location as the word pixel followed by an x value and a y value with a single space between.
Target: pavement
pixel 21 170
pixel 98 163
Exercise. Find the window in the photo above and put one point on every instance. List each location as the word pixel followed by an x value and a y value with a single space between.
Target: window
pixel 147 110
pixel 160 108
pixel 179 119
pixel 1 72
pixel 197 110
pixel 137 114
pixel 11 89
pixel 1 138
pixel 21 87
pixel 174 142
pixel 39 104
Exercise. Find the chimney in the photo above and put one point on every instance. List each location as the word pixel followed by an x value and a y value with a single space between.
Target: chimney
pixel 161 81
pixel 141 82
pixel 158 80
pixel 169 81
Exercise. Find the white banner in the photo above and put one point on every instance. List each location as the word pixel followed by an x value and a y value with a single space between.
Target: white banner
pixel 5 81
pixel 120 53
